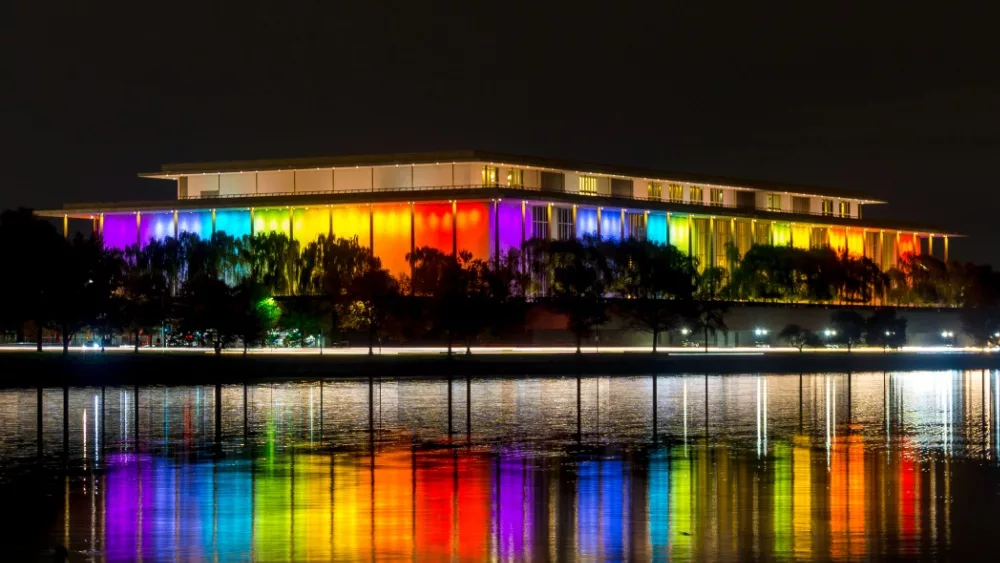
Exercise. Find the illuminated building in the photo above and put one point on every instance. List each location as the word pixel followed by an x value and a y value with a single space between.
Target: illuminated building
pixel 487 203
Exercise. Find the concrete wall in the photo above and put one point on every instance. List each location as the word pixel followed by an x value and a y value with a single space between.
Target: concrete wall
pixel 276 181
pixel 238 183
pixel 314 180
pixel 349 179
pixel 924 326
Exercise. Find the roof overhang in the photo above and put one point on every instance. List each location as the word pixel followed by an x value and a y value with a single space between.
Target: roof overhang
pixel 93 210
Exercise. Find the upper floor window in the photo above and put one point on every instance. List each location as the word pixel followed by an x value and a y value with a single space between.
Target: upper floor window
pixel 800 204
pixel 675 192
pixel 588 185
pixel 774 202
pixel 489 176
pixel 696 194
pixel 515 177
pixel 845 209
pixel 654 191
pixel 715 196
pixel 828 207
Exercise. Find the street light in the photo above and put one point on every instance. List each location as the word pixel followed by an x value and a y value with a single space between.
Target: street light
pixel 685 331
pixel 760 331
pixel 829 332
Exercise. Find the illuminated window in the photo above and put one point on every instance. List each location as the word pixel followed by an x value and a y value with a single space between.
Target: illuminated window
pixel 515 177
pixel 774 202
pixel 715 196
pixel 588 185
pixel 828 207
pixel 697 195
pixel 654 191
pixel 675 192
pixel 540 222
pixel 489 176
pixel 564 223
pixel 845 209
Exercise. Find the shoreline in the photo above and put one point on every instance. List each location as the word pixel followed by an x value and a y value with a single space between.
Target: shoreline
pixel 23 369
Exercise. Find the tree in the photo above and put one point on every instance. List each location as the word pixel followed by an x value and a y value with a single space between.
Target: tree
pixel 375 296
pixel 798 337
pixel 706 317
pixel 36 248
pixel 495 296
pixel 579 277
pixel 328 267
pixel 256 312
pixel 300 318
pixel 445 282
pixel 207 307
pixel 145 291
pixel 83 287
pixel 654 283
pixel 850 327
pixel 886 329
pixel 271 259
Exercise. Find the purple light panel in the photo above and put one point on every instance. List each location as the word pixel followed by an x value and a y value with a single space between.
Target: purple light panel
pixel 120 231
pixel 509 222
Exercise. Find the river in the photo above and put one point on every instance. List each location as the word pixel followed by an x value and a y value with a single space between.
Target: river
pixel 876 466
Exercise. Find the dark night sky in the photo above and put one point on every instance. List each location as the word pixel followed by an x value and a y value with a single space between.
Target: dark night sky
pixel 903 105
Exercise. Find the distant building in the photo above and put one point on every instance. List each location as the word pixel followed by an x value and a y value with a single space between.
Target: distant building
pixel 487 203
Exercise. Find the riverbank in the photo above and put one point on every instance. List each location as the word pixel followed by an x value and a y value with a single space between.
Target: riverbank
pixel 31 369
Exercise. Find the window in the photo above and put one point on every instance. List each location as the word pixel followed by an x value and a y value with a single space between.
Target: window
pixel 588 185
pixel 774 202
pixel 828 207
pixel 696 195
pixel 654 191
pixel 540 222
pixel 676 192
pixel 746 199
pixel 489 175
pixel 564 223
pixel 715 197
pixel 845 209
pixel 636 225
pixel 800 204
pixel 515 177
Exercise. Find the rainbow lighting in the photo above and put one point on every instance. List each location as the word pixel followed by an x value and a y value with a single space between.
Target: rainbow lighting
pixel 489 203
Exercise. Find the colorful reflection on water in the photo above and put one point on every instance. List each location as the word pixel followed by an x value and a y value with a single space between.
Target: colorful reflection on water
pixel 875 466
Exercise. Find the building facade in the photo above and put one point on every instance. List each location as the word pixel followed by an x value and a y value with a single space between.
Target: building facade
pixel 487 203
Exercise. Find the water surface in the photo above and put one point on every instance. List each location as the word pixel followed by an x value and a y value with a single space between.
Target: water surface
pixel 829 466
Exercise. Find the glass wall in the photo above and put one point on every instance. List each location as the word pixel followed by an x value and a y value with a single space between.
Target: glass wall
pixel 233 222
pixel 157 226
pixel 391 236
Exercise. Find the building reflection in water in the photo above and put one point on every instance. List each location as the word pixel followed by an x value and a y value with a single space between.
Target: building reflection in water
pixel 871 466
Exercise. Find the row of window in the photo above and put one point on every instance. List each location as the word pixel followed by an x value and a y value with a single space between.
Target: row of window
pixel 675 193
pixel 515 176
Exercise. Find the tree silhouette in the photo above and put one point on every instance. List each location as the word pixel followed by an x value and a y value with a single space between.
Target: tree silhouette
pixel 850 327
pixel 445 282
pixel 579 274
pixel 32 249
pixel 654 282
pixel 798 337
pixel 886 329
pixel 706 317
pixel 375 298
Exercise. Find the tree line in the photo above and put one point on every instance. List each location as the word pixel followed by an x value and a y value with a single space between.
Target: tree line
pixel 224 290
